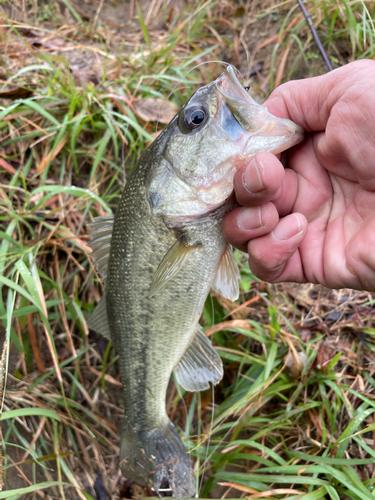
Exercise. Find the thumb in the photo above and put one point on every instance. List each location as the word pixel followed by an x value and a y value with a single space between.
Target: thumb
pixel 309 102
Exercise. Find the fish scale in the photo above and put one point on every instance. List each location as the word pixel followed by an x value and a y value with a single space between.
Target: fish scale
pixel 160 256
pixel 153 330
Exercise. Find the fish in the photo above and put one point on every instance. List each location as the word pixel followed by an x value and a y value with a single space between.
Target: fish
pixel 160 255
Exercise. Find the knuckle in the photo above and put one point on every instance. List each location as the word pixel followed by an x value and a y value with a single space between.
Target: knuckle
pixel 257 254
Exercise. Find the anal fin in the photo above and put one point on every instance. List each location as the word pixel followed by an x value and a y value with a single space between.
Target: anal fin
pixel 98 320
pixel 199 365
pixel 227 276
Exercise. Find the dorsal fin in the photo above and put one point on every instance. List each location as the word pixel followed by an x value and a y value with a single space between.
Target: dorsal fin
pixel 100 242
pixel 171 263
pixel 98 320
pixel 199 365
pixel 227 276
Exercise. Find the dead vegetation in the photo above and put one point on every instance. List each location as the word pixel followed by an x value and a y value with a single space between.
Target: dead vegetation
pixel 294 415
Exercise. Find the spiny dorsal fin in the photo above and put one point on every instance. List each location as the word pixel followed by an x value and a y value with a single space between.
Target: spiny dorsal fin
pixel 227 276
pixel 199 365
pixel 100 242
pixel 98 320
pixel 171 264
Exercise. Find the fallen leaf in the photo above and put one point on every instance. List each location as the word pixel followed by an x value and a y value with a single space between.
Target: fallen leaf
pixel 13 92
pixel 26 31
pixel 278 491
pixel 295 361
pixel 154 109
pixel 316 421
pixel 240 487
pixel 7 167
pixel 54 43
pixel 50 156
pixel 242 306
pixel 237 323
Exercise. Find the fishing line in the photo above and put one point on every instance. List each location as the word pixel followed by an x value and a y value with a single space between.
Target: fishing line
pixel 185 74
pixel 223 63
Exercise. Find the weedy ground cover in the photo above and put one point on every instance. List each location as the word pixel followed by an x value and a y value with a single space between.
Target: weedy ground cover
pixel 294 414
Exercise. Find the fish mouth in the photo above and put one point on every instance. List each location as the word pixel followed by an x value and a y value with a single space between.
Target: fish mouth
pixel 250 123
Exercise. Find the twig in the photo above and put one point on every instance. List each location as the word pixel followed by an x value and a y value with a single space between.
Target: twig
pixel 315 35
pixel 96 17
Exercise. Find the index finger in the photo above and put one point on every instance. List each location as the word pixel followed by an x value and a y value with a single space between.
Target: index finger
pixel 309 102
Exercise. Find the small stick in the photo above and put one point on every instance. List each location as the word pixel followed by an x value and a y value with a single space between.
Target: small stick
pixel 96 17
pixel 315 35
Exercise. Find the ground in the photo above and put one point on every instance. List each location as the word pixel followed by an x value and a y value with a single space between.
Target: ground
pixel 294 414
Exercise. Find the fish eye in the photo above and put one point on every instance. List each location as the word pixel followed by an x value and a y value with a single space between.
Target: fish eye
pixel 194 117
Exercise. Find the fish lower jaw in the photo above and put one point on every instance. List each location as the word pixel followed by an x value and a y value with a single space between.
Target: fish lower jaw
pixel 272 144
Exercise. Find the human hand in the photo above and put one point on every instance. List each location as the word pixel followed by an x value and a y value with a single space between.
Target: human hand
pixel 325 197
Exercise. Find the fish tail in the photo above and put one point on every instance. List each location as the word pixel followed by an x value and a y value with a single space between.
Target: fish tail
pixel 154 457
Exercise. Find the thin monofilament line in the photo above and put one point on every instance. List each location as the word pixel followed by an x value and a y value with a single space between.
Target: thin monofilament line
pixel 185 74
pixel 192 69
pixel 315 35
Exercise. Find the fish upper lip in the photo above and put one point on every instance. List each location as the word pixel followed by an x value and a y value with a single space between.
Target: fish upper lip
pixel 229 78
pixel 255 118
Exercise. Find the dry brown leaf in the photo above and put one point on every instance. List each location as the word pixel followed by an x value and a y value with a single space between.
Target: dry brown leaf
pixel 34 344
pixel 51 156
pixel 279 491
pixel 242 312
pixel 7 167
pixel 13 92
pixel 238 323
pixel 239 487
pixel 316 421
pixel 154 109
pixel 83 244
pixel 281 68
pixel 107 377
pixel 54 43
pixel 235 311
pixel 295 361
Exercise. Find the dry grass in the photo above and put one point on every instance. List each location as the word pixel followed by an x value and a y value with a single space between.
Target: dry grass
pixel 294 414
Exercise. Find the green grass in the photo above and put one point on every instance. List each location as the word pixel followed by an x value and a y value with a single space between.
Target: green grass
pixel 294 414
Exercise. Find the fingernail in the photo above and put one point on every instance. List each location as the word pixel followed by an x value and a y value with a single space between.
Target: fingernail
pixel 251 178
pixel 250 218
pixel 287 228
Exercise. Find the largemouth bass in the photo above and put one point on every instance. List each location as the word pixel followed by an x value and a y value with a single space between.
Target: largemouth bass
pixel 159 257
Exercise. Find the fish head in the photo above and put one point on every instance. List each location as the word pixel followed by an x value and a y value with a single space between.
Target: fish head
pixel 214 132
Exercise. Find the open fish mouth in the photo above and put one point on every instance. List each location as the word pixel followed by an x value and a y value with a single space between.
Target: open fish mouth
pixel 250 123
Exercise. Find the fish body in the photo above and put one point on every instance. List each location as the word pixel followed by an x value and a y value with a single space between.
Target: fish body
pixel 160 256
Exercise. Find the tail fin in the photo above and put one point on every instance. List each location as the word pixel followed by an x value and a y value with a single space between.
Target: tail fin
pixel 150 458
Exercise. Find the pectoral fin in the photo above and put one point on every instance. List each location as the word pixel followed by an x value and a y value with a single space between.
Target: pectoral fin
pixel 98 320
pixel 100 242
pixel 171 264
pixel 227 276
pixel 199 365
